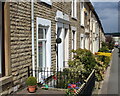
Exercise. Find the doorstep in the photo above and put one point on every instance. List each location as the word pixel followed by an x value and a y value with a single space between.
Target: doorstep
pixel 42 92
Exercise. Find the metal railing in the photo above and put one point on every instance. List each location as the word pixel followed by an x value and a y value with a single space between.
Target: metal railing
pixel 61 79
pixel 87 87
pixel 55 79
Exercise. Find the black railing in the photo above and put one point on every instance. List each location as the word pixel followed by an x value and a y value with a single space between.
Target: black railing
pixel 63 78
pixel 88 86
pixel 55 79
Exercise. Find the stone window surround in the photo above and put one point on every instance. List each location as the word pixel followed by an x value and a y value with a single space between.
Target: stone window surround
pixel 74 33
pixel 82 17
pixel 7 39
pixel 49 2
pixel 8 77
pixel 46 23
pixel 74 9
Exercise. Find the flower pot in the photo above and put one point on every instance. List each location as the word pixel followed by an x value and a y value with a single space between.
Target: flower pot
pixel 32 89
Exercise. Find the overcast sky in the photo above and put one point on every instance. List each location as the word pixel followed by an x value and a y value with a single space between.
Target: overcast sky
pixel 108 14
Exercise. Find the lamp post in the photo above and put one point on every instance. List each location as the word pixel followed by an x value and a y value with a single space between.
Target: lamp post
pixel 58 41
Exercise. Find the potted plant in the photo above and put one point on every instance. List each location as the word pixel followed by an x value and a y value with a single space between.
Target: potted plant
pixel 31 82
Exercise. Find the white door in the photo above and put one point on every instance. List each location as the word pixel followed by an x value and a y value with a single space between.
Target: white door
pixel 66 48
pixel 60 34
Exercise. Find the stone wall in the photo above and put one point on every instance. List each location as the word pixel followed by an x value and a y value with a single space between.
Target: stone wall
pixel 21 41
pixel 21 37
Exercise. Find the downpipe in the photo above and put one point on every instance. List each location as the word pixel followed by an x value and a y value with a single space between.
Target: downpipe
pixel 32 28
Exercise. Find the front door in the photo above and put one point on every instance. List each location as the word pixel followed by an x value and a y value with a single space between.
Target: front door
pixel 66 48
pixel 60 48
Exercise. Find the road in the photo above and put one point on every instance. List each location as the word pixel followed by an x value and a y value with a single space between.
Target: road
pixel 110 84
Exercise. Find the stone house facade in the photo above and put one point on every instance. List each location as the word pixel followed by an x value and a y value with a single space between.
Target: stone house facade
pixel 91 28
pixel 28 37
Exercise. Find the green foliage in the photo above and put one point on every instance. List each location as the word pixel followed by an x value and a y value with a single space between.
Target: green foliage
pixel 99 70
pixel 104 49
pixel 107 46
pixel 31 81
pixel 109 42
pixel 104 59
pixel 103 62
pixel 110 45
pixel 106 62
pixel 67 77
pixel 104 44
pixel 83 61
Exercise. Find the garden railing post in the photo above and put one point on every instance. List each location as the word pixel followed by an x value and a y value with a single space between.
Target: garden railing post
pixel 28 71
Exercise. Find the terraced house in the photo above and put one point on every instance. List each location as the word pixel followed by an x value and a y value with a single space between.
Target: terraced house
pixel 28 33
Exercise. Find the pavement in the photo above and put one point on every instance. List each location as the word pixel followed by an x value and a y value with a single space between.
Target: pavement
pixel 110 82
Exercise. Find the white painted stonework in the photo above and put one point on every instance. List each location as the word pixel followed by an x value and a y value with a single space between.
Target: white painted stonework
pixel 62 25
pixel 45 23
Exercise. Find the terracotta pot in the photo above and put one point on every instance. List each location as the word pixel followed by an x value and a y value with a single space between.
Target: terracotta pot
pixel 32 89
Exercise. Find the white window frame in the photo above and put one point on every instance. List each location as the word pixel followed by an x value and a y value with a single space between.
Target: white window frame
pixel 74 29
pixel 44 40
pixel 47 24
pixel 49 2
pixel 82 14
pixel 74 9
pixel 74 41
pixel 82 42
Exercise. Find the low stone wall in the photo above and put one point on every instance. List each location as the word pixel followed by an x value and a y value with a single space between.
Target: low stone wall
pixel 6 85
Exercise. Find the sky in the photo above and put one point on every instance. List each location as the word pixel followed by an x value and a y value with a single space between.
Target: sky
pixel 108 14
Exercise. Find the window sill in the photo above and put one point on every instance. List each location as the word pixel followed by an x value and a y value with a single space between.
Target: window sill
pixel 82 26
pixel 75 18
pixel 46 2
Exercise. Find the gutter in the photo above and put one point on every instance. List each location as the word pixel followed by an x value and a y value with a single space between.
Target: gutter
pixel 32 28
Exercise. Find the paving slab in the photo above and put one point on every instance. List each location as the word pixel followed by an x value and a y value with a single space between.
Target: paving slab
pixel 41 92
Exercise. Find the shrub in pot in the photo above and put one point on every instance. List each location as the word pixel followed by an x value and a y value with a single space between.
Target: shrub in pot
pixel 31 82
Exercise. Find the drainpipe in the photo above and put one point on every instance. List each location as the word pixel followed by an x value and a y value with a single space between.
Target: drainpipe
pixel 32 28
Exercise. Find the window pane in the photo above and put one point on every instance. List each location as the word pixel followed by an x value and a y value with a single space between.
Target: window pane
pixel 42 54
pixel 73 40
pixel 45 30
pixel 59 32
pixel 40 33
